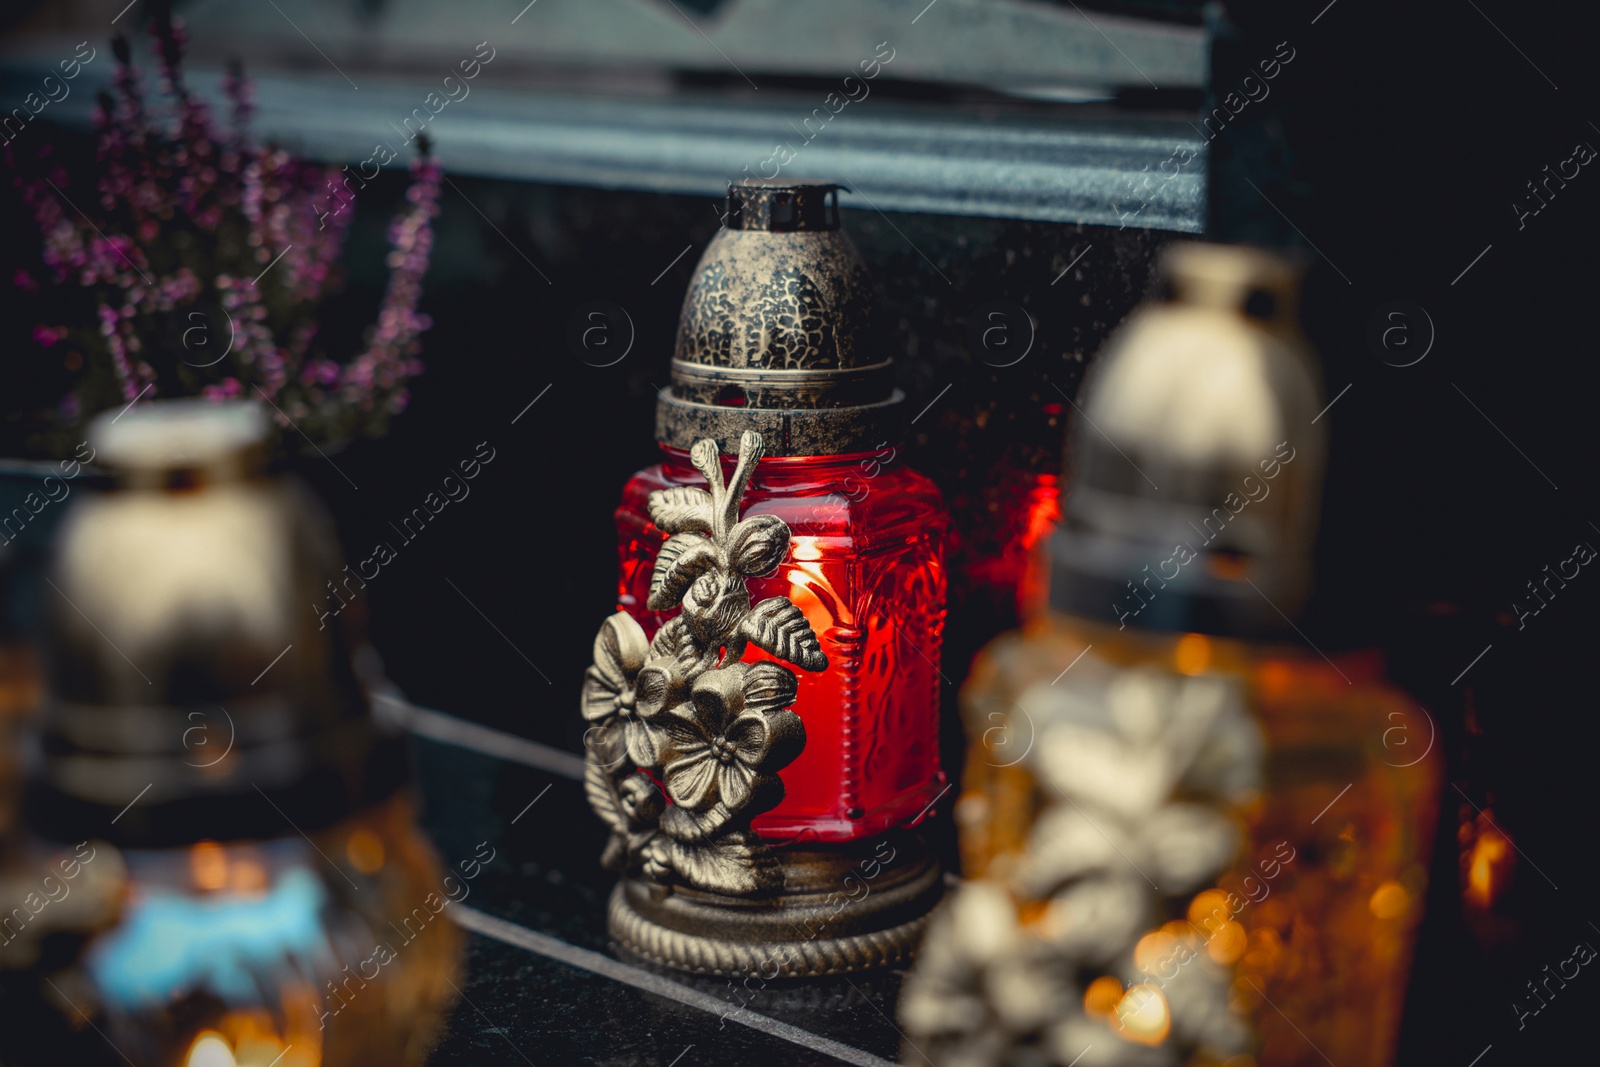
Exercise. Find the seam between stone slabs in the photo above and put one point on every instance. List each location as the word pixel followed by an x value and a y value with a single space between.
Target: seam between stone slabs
pixel 521 937
pixel 463 733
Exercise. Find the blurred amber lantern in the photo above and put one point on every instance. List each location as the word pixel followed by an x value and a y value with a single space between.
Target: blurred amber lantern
pixel 1212 810
pixel 243 937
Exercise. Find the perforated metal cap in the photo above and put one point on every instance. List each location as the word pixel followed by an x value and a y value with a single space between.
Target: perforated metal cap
pixel 194 658
pixel 777 333
pixel 1196 469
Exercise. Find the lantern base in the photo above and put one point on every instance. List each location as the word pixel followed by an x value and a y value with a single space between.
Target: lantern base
pixel 853 908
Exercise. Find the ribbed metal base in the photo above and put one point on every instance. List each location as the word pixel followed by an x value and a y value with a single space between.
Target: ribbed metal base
pixel 832 918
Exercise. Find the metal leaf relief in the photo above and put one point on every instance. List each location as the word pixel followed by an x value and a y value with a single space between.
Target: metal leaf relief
pixel 682 559
pixel 682 715
pixel 681 509
pixel 775 625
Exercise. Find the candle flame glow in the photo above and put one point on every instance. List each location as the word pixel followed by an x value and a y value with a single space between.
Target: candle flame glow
pixel 210 1049
pixel 806 548
pixel 209 865
pixel 1487 866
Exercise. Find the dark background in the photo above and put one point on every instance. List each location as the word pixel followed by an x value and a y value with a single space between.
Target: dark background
pixel 1396 142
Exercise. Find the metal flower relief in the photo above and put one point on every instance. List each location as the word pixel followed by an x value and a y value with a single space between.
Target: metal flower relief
pixel 684 710
pixel 1149 768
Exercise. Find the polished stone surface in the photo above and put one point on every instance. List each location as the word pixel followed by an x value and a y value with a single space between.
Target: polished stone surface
pixel 522 1006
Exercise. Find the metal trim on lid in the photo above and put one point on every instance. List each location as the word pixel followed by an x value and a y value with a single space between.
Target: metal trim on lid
pixel 816 387
pixel 790 431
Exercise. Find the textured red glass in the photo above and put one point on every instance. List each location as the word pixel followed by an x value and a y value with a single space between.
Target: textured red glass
pixel 866 566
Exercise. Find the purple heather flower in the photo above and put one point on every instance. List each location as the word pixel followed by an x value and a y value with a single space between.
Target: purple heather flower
pixel 165 171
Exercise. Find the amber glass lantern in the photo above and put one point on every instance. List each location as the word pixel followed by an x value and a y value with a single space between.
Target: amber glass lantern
pixel 782 404
pixel 206 747
pixel 1191 839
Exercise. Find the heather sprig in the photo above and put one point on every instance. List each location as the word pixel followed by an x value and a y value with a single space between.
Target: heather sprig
pixel 199 241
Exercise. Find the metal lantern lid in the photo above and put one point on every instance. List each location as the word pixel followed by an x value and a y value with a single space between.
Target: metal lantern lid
pixel 192 690
pixel 777 333
pixel 1196 464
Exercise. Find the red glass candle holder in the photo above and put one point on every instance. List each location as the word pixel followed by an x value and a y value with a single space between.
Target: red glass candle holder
pixel 762 816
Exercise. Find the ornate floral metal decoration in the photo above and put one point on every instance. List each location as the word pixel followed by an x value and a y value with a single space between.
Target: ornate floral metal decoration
pixel 1151 766
pixel 684 710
